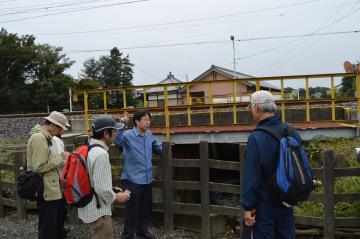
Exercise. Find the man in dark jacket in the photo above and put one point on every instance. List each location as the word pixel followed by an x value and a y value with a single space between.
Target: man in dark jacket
pixel 272 221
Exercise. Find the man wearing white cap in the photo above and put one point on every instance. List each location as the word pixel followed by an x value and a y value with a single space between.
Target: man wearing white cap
pixel 272 221
pixel 39 160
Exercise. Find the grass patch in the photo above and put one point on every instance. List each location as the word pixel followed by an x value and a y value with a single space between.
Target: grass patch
pixel 345 146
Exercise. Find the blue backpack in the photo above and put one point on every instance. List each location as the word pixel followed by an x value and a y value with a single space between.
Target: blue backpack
pixel 292 180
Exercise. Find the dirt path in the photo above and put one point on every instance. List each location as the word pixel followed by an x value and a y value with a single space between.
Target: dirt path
pixel 13 229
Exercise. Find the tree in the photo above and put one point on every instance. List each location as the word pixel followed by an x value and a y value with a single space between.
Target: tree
pixel 32 75
pixel 91 70
pixel 113 70
pixel 94 101
pixel 348 86
pixel 51 84
pixel 17 64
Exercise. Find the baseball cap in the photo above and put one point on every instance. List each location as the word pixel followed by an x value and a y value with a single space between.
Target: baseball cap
pixel 261 97
pixel 59 119
pixel 101 122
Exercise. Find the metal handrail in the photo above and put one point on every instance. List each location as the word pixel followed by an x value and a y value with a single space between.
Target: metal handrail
pixel 233 99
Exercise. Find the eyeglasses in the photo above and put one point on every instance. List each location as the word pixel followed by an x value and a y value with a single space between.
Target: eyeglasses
pixel 251 106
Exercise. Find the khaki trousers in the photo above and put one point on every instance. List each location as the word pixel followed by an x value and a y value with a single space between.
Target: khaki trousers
pixel 102 228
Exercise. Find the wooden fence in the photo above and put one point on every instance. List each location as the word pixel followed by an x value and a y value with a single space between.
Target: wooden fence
pixel 169 207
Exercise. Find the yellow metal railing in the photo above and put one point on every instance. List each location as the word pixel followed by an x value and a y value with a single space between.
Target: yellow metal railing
pixel 236 98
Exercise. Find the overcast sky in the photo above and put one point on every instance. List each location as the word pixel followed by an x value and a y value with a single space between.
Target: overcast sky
pixel 104 25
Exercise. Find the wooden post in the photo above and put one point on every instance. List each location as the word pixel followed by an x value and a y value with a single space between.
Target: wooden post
pixel 1 200
pixel 242 150
pixel 20 203
pixel 329 201
pixel 168 192
pixel 205 190
pixel 340 161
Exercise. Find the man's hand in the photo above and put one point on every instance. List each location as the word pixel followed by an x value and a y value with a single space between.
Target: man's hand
pixel 65 155
pixel 122 197
pixel 117 190
pixel 124 119
pixel 249 218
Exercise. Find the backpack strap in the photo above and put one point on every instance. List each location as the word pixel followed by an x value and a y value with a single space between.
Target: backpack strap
pixel 289 130
pixel 270 130
pixel 91 146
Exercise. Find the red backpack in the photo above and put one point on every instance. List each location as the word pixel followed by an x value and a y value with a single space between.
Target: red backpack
pixel 75 178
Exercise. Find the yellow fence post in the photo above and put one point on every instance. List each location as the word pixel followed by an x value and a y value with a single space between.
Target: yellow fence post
pixel 282 100
pixel 188 103
pixel 307 99
pixel 167 120
pixel 211 104
pixel 124 101
pixel 145 101
pixel 124 98
pixel 105 102
pixel 257 85
pixel 332 92
pixel 86 109
pixel 234 101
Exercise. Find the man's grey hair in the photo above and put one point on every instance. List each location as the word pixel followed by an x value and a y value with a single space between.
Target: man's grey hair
pixel 268 107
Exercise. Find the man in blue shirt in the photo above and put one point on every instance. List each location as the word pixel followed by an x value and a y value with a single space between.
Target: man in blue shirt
pixel 138 145
pixel 272 221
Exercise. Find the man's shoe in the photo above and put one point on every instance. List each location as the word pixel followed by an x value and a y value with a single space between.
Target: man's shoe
pixel 147 235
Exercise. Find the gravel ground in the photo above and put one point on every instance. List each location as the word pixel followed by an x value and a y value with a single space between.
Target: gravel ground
pixel 12 229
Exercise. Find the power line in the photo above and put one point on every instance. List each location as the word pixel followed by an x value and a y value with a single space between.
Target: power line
pixel 316 40
pixel 180 21
pixel 147 73
pixel 88 8
pixel 212 42
pixel 215 42
pixel 48 7
pixel 300 35
pixel 271 66
pixel 151 46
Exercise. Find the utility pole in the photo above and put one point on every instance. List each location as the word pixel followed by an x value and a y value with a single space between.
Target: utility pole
pixel 70 99
pixel 232 38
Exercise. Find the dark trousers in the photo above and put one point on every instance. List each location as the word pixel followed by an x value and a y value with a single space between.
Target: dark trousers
pixel 274 222
pixel 51 219
pixel 138 209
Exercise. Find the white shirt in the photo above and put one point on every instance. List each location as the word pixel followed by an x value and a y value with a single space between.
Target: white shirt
pixel 57 146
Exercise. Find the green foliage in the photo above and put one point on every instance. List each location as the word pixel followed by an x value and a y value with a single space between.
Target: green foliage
pixel 345 146
pixel 113 70
pixel 32 75
pixel 315 92
pixel 348 86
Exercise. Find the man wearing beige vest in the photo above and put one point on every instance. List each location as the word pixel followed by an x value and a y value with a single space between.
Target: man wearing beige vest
pixel 40 160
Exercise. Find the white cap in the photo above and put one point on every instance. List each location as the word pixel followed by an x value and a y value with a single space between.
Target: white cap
pixel 261 97
pixel 58 119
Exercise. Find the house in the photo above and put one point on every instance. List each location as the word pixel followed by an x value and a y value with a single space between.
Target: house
pixel 155 96
pixel 223 92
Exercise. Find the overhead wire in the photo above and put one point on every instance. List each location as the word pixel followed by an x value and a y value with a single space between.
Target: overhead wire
pixel 77 10
pixel 49 7
pixel 213 42
pixel 271 66
pixel 181 21
pixel 306 48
